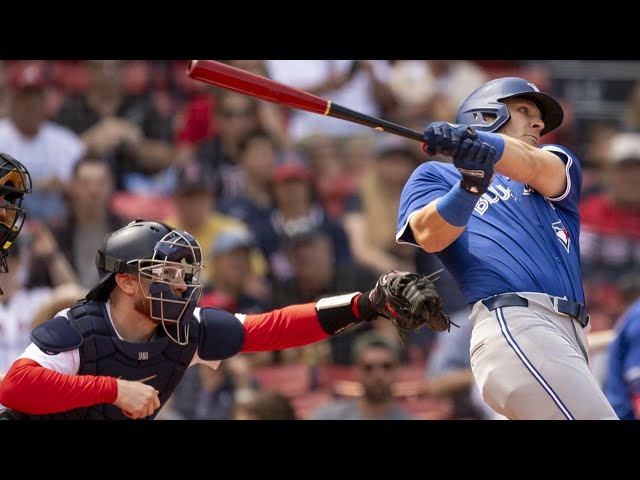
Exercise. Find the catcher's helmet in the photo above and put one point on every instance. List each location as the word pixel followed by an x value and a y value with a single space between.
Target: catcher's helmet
pixel 166 257
pixel 487 99
pixel 15 182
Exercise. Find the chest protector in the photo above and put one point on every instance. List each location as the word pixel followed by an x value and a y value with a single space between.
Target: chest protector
pixel 161 362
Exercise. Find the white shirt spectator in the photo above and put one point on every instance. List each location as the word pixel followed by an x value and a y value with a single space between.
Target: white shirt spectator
pixel 356 94
pixel 52 152
pixel 16 315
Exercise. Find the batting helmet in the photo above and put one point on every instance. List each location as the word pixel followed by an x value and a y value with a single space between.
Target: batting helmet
pixel 164 255
pixel 488 99
pixel 15 182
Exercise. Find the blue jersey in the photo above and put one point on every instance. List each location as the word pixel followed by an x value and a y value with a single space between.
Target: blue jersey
pixel 623 367
pixel 515 241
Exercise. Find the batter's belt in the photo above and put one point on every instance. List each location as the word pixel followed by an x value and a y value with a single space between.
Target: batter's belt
pixel 560 305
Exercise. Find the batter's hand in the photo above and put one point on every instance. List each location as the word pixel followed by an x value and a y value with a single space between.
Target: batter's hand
pixel 445 138
pixel 136 399
pixel 474 161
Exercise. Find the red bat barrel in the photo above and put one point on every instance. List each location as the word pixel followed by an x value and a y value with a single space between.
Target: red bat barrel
pixel 232 78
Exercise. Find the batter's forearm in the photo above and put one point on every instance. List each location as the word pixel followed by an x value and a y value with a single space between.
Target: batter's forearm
pixel 518 161
pixel 540 169
pixel 432 232
pixel 30 388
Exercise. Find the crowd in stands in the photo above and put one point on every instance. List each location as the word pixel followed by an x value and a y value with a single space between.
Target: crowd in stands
pixel 288 207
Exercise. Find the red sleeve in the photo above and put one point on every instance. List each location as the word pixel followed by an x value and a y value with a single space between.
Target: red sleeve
pixel 287 327
pixel 635 402
pixel 30 388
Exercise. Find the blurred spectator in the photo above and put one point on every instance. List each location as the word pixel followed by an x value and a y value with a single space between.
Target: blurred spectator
pixel 257 152
pixel 449 372
pixel 632 110
pixel 622 381
pixel 199 119
pixel 236 116
pixel 89 218
pixel 230 259
pixel 356 84
pixel 130 131
pixel 427 90
pixel 297 209
pixel 19 304
pixel 596 157
pixel 63 296
pixel 376 368
pixel 610 232
pixel 194 202
pixel 370 216
pixel 316 275
pixel 338 169
pixel 4 92
pixel 205 393
pixel 265 406
pixel 46 149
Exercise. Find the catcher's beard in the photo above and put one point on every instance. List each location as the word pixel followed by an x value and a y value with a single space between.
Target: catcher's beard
pixel 143 305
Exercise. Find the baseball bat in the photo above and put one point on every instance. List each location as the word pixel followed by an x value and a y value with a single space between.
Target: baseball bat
pixel 231 78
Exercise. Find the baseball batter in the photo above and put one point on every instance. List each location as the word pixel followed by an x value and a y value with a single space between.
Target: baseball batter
pixel 503 218
pixel 121 352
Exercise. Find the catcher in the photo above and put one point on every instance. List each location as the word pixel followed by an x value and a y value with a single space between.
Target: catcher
pixel 120 352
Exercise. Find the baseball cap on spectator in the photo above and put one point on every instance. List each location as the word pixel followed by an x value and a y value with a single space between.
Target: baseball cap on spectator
pixel 25 75
pixel 625 148
pixel 232 239
pixel 293 167
pixel 192 178
pixel 377 340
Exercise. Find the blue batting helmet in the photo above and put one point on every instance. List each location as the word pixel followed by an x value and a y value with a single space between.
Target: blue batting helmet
pixel 488 99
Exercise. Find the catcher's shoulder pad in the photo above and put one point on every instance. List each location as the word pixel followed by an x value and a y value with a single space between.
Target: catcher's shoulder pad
pixel 56 335
pixel 222 334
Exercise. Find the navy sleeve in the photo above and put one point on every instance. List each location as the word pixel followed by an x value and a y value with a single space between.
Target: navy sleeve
pixel 222 334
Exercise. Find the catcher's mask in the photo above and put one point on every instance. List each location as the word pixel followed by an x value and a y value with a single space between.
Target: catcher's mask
pixel 170 259
pixel 488 100
pixel 15 182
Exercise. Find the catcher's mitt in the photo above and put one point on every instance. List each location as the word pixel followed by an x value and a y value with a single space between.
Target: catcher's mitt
pixel 410 301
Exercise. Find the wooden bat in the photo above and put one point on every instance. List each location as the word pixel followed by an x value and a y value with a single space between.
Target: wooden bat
pixel 231 78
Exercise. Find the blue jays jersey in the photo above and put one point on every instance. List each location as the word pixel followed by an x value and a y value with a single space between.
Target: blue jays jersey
pixel 515 241
pixel 623 366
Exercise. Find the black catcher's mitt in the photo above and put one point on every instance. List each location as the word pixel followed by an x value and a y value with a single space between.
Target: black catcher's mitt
pixel 410 301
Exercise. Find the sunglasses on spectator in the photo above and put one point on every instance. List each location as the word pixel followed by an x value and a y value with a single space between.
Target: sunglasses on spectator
pixel 369 367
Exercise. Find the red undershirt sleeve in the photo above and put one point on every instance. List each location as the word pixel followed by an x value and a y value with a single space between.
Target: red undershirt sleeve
pixel 291 326
pixel 30 388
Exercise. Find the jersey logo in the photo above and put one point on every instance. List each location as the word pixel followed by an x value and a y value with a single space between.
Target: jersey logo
pixel 562 234
pixel 494 194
